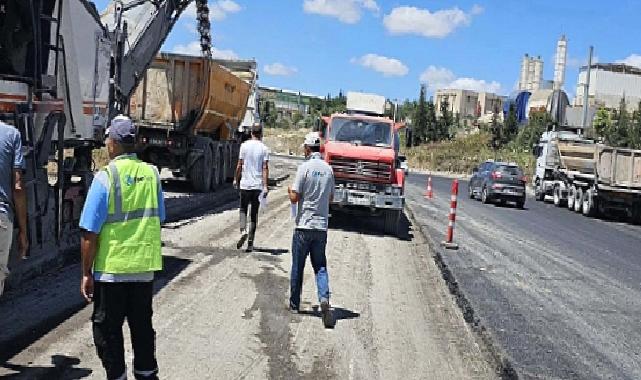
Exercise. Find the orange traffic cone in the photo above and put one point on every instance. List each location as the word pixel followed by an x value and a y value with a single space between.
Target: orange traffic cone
pixel 429 194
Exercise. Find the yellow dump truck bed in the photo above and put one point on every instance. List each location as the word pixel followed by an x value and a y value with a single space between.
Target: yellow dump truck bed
pixel 180 91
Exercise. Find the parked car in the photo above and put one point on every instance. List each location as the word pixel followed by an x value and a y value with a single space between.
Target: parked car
pixel 498 182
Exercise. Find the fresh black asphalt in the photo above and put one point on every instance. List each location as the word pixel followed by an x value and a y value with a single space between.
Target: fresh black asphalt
pixel 559 292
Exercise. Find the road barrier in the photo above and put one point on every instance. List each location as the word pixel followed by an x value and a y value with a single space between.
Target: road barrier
pixel 449 238
pixel 429 193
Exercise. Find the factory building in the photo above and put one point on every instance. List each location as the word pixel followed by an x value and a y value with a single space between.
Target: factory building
pixel 468 104
pixel 609 83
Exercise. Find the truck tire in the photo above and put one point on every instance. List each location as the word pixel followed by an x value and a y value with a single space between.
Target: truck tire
pixel 392 222
pixel 578 199
pixel 200 172
pixel 222 166
pixel 558 196
pixel 571 196
pixel 215 169
pixel 539 194
pixel 485 198
pixel 587 207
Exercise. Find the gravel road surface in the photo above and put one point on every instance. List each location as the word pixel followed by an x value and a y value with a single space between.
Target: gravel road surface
pixel 221 313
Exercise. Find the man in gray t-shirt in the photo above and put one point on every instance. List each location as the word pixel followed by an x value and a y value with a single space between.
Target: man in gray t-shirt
pixel 12 197
pixel 313 190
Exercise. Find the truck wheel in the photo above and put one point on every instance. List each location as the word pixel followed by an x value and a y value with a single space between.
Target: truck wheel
pixel 200 172
pixel 571 196
pixel 214 170
pixel 392 222
pixel 470 192
pixel 222 166
pixel 485 198
pixel 558 198
pixel 588 203
pixel 520 204
pixel 539 194
pixel 578 199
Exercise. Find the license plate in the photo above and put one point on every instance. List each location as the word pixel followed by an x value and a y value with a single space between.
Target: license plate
pixel 360 201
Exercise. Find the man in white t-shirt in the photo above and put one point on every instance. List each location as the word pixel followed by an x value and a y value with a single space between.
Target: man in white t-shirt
pixel 251 177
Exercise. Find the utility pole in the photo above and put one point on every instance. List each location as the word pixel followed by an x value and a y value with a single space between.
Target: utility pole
pixel 586 92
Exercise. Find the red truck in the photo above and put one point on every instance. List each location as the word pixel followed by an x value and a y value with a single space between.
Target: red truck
pixel 362 146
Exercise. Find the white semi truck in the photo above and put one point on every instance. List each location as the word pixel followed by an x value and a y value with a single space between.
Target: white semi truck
pixel 588 177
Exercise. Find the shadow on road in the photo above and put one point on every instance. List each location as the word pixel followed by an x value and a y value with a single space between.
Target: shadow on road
pixel 364 223
pixel 67 302
pixel 271 251
pixel 63 369
pixel 338 312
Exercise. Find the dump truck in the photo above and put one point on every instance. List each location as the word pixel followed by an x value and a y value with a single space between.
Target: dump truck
pixel 362 147
pixel 189 112
pixel 588 177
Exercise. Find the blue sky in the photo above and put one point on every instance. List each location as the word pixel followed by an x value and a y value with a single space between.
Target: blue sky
pixel 389 47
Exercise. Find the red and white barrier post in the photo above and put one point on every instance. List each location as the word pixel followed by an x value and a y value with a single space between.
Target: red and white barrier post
pixel 449 238
pixel 429 193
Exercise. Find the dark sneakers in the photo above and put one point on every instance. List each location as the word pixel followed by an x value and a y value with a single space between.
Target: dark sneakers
pixel 241 241
pixel 250 246
pixel 326 314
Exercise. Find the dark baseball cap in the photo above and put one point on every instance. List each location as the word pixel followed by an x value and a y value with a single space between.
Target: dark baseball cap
pixel 122 130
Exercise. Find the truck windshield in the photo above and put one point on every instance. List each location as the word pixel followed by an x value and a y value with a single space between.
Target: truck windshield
pixel 361 132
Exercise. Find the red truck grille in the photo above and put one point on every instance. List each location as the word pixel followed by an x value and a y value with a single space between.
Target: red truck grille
pixel 361 169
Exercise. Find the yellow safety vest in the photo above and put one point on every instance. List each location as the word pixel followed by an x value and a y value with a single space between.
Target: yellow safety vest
pixel 129 241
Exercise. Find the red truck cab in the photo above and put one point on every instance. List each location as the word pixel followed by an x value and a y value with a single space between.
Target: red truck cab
pixel 363 151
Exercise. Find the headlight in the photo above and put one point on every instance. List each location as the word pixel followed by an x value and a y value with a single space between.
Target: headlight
pixel 396 190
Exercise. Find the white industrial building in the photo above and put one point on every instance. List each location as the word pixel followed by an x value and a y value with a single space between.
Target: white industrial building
pixel 609 83
pixel 531 73
pixel 468 104
pixel 531 77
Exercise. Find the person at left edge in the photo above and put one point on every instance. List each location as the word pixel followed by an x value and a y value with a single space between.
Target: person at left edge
pixel 121 250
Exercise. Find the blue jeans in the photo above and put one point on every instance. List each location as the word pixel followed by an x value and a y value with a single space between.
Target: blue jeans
pixel 312 242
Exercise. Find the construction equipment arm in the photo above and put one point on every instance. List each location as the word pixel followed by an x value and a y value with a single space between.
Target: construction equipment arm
pixel 140 27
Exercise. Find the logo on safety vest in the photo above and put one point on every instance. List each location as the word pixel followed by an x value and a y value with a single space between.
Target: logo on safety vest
pixel 130 181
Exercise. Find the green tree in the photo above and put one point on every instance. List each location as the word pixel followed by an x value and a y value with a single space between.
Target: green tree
pixel 602 122
pixel 511 127
pixel 496 130
pixel 445 121
pixel 634 132
pixel 420 118
pixel 432 122
pixel 618 133
pixel 531 133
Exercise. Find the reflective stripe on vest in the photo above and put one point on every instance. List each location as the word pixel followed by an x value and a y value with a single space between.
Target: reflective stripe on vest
pixel 129 241
pixel 119 215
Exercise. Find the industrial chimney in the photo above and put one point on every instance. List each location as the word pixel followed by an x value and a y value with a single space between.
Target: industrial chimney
pixel 560 63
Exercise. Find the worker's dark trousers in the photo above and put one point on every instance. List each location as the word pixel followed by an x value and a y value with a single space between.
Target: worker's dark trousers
pixel 113 302
pixel 249 198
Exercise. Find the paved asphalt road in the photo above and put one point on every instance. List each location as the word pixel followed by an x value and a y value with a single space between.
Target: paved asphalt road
pixel 559 292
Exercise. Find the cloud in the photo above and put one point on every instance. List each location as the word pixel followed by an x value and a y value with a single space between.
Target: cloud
pixel 347 11
pixel 422 22
pixel 218 10
pixel 193 48
pixel 441 78
pixel 632 60
pixel 387 66
pixel 280 69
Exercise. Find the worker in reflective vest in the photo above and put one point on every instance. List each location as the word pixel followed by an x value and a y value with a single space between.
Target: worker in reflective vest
pixel 121 250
